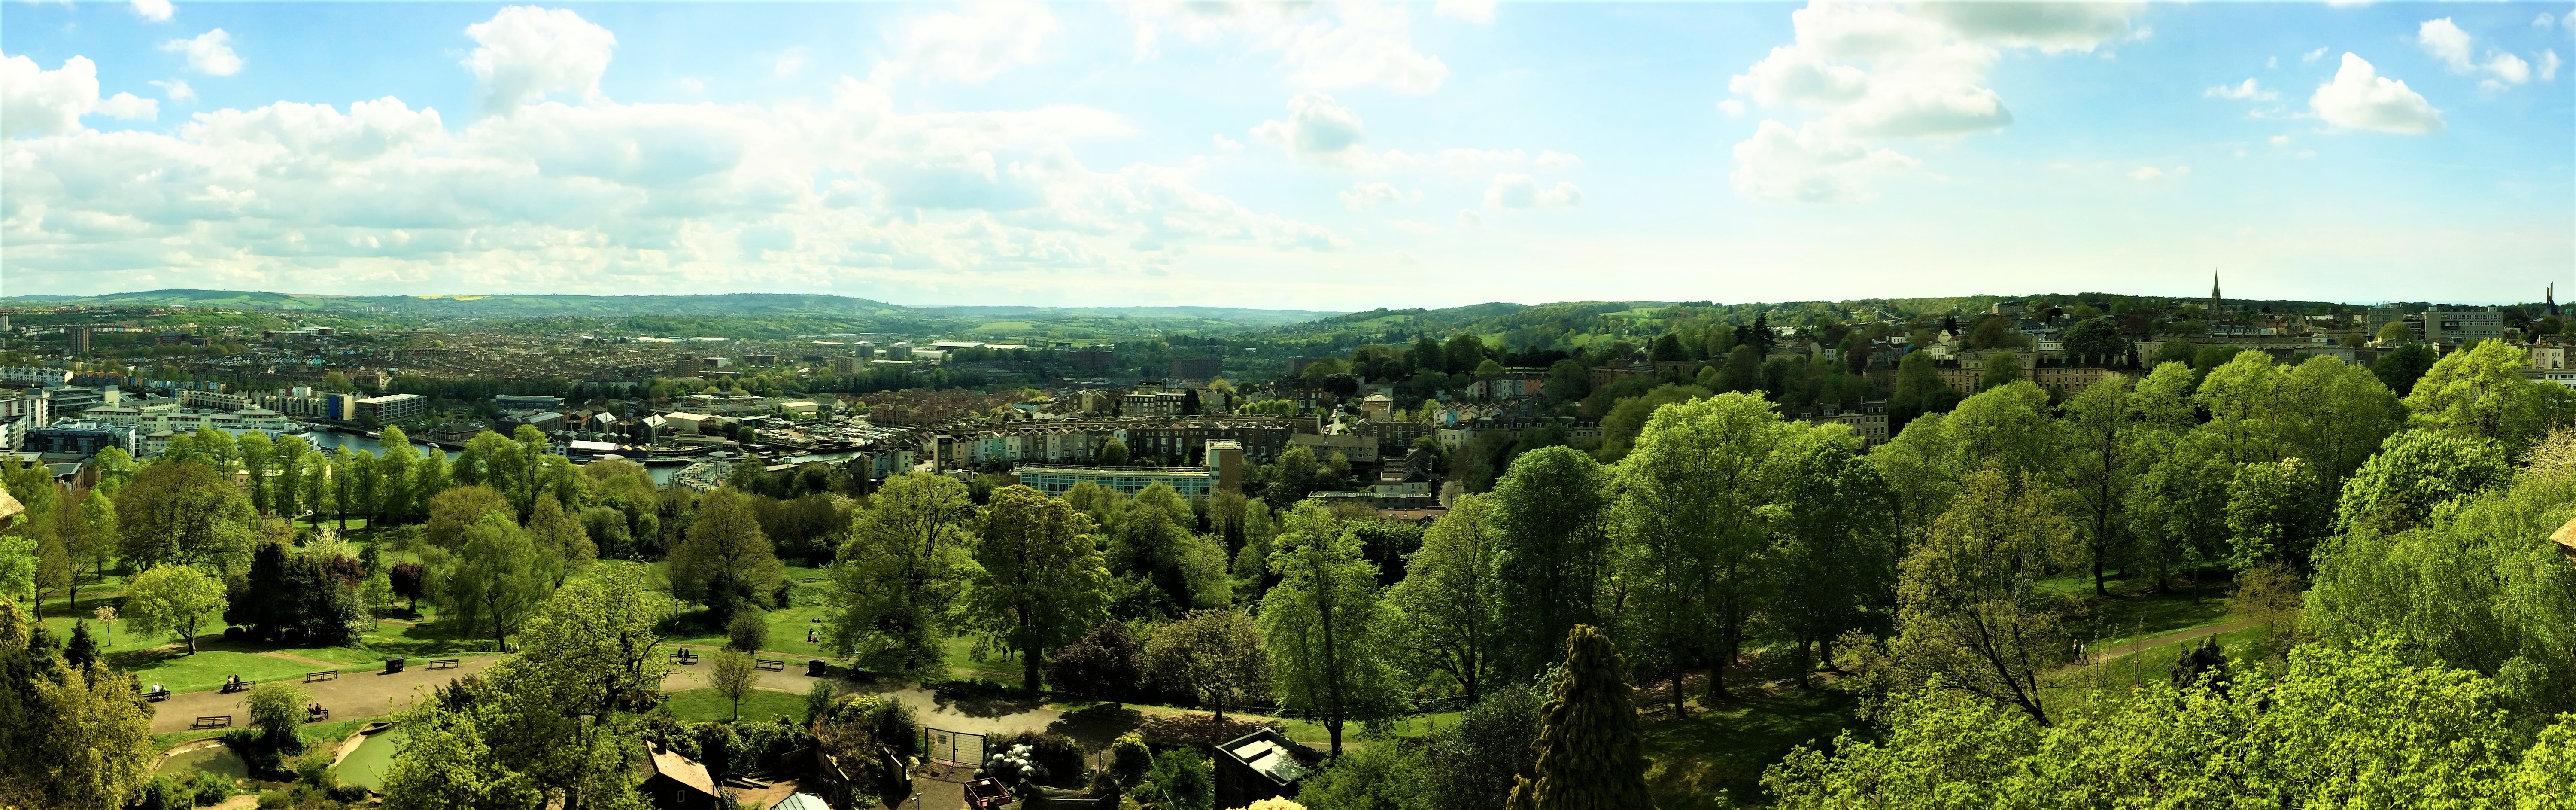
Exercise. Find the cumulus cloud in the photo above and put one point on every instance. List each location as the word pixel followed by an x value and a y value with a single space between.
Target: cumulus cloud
pixel 154 10
pixel 1318 130
pixel 2313 56
pixel 210 53
pixel 2360 98
pixel 1731 107
pixel 1557 160
pixel 45 102
pixel 1479 12
pixel 1894 72
pixel 2445 41
pixel 1469 219
pixel 129 107
pixel 1809 164
pixel 2250 90
pixel 176 90
pixel 973 44
pixel 1365 195
pixel 1357 43
pixel 525 53
pixel 2549 65
pixel 1524 191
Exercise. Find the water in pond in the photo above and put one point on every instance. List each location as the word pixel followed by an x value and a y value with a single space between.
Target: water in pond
pixel 366 766
pixel 217 760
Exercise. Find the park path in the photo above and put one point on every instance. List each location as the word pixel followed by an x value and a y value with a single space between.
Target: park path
pixel 352 694
pixel 2112 653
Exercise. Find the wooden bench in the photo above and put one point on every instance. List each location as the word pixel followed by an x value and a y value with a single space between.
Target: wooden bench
pixel 212 721
pixel 683 657
pixel 325 675
pixel 237 686
pixel 316 715
pixel 157 694
pixel 442 663
pixel 770 664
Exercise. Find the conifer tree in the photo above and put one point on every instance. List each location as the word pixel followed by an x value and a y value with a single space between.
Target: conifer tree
pixel 1590 754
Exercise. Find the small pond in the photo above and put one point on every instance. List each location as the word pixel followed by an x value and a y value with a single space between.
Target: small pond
pixel 366 766
pixel 215 759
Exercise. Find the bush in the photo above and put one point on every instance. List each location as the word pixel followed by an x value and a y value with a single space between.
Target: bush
pixel 1180 779
pixel 164 793
pixel 747 631
pixel 1105 665
pixel 210 789
pixel 1199 729
pixel 1129 758
pixel 277 710
pixel 1058 754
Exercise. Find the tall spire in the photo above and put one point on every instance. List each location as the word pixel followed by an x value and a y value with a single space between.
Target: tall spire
pixel 2213 291
pixel 2552 297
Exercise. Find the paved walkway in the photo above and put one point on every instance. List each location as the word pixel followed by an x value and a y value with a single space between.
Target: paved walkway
pixel 2092 657
pixel 353 694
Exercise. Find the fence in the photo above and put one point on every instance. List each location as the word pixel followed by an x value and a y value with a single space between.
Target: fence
pixel 942 745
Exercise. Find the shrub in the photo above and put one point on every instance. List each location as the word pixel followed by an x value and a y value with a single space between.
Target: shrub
pixel 210 789
pixel 1181 780
pixel 1196 728
pixel 747 631
pixel 277 710
pixel 1059 755
pixel 1105 665
pixel 164 793
pixel 1129 758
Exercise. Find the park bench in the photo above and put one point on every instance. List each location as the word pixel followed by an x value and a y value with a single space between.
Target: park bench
pixel 237 686
pixel 683 657
pixel 316 714
pixel 442 663
pixel 770 664
pixel 325 675
pixel 157 694
pixel 212 721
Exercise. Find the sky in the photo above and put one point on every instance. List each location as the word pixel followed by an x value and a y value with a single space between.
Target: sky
pixel 1335 156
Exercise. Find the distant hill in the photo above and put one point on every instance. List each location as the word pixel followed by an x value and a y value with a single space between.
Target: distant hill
pixel 734 304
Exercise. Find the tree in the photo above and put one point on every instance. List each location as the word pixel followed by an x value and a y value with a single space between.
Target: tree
pixel 277 710
pixel 2274 514
pixel 897 576
pixel 560 536
pixel 2102 428
pixel 1832 553
pixel 496 580
pixel 184 512
pixel 455 509
pixel 1038 585
pixel 1590 751
pixel 2096 340
pixel 1471 764
pixel 1967 609
pixel 1449 604
pixel 1326 626
pixel 2414 473
pixel 731 674
pixel 2001 370
pixel 726 562
pixel 2480 391
pixel 76 735
pixel 1113 453
pixel 409 580
pixel 1215 655
pixel 2400 368
pixel 1690 518
pixel 1549 515
pixel 1379 777
pixel 173 599
pixel 2395 333
pixel 1106 664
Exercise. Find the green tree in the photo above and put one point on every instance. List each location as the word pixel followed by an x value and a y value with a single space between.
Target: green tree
pixel 75 735
pixel 453 510
pixel 496 580
pixel 1378 777
pixel 173 599
pixel 561 539
pixel 1690 518
pixel 2395 333
pixel 277 710
pixel 1591 753
pixel 1214 655
pixel 184 512
pixel 726 562
pixel 1449 604
pixel 1832 555
pixel 1113 453
pixel 730 673
pixel 2414 473
pixel 288 456
pixel 258 455
pixel 1039 577
pixel 900 572
pixel 2401 367
pixel 1968 611
pixel 2001 370
pixel 2274 514
pixel 1470 764
pixel 2480 391
pixel 1550 514
pixel 2095 340
pixel 1327 627
pixel 2102 427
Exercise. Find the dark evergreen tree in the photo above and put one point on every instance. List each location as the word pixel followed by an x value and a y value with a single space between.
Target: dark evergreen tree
pixel 1590 753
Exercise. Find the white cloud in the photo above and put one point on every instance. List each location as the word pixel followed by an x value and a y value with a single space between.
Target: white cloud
pixel 2313 56
pixel 1795 75
pixel 2549 65
pixel 1365 195
pixel 1731 107
pixel 1227 145
pixel 1524 191
pixel 2359 98
pixel 2051 27
pixel 1318 129
pixel 1356 43
pixel 789 63
pixel 1809 164
pixel 45 102
pixel 973 44
pixel 129 107
pixel 2271 61
pixel 691 84
pixel 1557 160
pixel 2544 21
pixel 525 53
pixel 2249 90
pixel 176 90
pixel 2280 140
pixel 154 10
pixel 1479 12
pixel 210 53
pixel 2445 41
pixel 1469 219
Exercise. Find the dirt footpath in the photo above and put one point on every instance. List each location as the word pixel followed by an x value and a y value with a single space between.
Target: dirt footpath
pixel 353 694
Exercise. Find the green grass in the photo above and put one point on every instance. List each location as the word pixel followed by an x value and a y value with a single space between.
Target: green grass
pixel 316 734
pixel 2117 676
pixel 1714 759
pixel 761 706
pixel 2131 612
pixel 178 671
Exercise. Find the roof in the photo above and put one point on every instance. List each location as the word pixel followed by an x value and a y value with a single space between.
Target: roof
pixel 1265 753
pixel 2565 537
pixel 683 770
pixel 801 801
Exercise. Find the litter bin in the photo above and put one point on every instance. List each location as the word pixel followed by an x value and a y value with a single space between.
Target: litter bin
pixel 816 668
pixel 393 665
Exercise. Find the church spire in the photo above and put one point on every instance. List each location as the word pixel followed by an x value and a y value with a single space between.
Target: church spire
pixel 2213 292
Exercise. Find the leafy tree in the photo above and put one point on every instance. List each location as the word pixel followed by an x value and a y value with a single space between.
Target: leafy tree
pixel 747 631
pixel 1470 764
pixel 76 734
pixel 2274 514
pixel 1968 613
pixel 277 710
pixel 2395 333
pixel 1113 453
pixel 1379 777
pixel 173 599
pixel 1550 514
pixel 300 597
pixel 1180 779
pixel 1215 655
pixel 2102 427
pixel 1590 751
pixel 1039 583
pixel 1689 515
pixel 1326 626
pixel 453 510
pixel 1832 554
pixel 2001 370
pixel 561 537
pixel 731 674
pixel 183 512
pixel 2480 391
pixel 1105 664
pixel 2096 340
pixel 1449 604
pixel 1742 372
pixel 2400 368
pixel 726 562
pixel 902 568
pixel 2414 473
pixel 496 580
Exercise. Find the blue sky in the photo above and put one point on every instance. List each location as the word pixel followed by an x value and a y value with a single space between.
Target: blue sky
pixel 1332 156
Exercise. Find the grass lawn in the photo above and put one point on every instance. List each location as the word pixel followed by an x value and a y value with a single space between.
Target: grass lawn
pixel 996 666
pixel 1714 759
pixel 2129 613
pixel 761 706
pixel 2117 676
pixel 176 670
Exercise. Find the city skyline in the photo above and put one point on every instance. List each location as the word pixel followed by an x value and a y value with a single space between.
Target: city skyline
pixel 1335 157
